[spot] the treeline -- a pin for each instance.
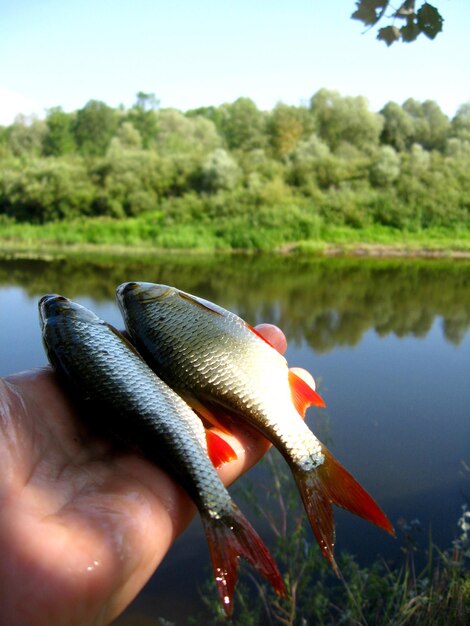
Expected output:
(332, 161)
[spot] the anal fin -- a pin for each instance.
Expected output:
(218, 449)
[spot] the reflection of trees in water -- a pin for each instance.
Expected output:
(324, 302)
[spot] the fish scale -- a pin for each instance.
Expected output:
(214, 358)
(101, 366)
(219, 344)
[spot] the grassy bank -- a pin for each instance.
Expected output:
(151, 233)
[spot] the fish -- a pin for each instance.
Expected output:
(213, 358)
(97, 362)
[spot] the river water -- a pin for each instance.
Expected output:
(387, 341)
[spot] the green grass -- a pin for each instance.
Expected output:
(380, 594)
(268, 233)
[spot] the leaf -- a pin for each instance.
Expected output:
(389, 34)
(369, 11)
(410, 32)
(406, 9)
(429, 20)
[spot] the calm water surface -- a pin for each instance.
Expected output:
(388, 343)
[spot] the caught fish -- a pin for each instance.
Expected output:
(99, 363)
(216, 360)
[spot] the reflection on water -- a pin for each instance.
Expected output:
(326, 303)
(388, 342)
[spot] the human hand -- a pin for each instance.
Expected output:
(83, 525)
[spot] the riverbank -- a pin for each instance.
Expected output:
(142, 237)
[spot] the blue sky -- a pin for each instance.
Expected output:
(195, 53)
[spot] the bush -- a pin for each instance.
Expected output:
(42, 190)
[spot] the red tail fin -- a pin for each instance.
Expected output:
(330, 484)
(230, 537)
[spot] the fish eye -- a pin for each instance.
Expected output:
(126, 287)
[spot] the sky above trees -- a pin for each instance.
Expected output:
(192, 54)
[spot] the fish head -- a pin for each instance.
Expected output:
(137, 295)
(140, 294)
(53, 306)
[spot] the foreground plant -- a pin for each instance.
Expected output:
(378, 595)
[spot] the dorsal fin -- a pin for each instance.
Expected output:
(204, 304)
(303, 395)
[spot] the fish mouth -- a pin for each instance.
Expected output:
(50, 304)
(53, 305)
(146, 292)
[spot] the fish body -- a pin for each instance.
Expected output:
(99, 363)
(213, 357)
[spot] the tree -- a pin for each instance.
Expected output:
(128, 180)
(182, 134)
(386, 168)
(42, 190)
(426, 20)
(127, 137)
(398, 126)
(243, 125)
(220, 171)
(345, 119)
(94, 126)
(286, 126)
(143, 116)
(59, 139)
(461, 123)
(430, 125)
(26, 136)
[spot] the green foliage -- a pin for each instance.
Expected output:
(430, 126)
(286, 126)
(59, 138)
(386, 168)
(397, 131)
(93, 128)
(461, 123)
(243, 178)
(389, 595)
(25, 137)
(127, 182)
(242, 125)
(143, 118)
(42, 190)
(219, 171)
(345, 119)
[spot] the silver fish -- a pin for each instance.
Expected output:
(98, 362)
(215, 359)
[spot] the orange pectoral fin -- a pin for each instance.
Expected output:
(303, 395)
(218, 449)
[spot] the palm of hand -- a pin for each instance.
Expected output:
(83, 525)
(79, 520)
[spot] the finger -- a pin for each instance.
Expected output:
(274, 335)
(304, 375)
